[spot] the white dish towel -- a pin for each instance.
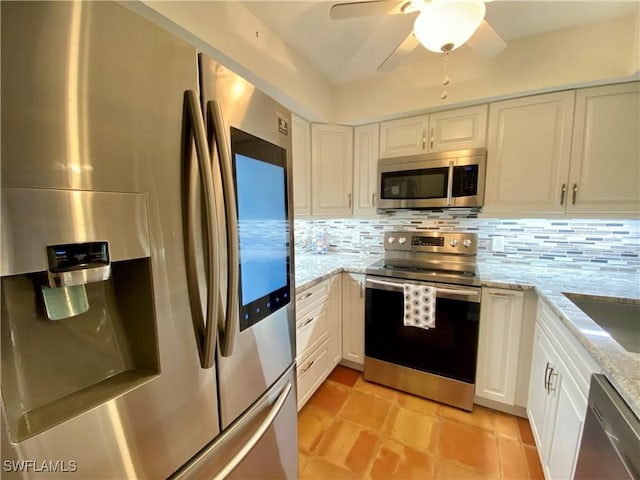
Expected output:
(419, 306)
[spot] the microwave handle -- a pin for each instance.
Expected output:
(450, 185)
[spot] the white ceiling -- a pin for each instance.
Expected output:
(352, 49)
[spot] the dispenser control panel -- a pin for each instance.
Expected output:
(77, 256)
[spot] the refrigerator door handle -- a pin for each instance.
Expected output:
(227, 339)
(192, 468)
(206, 330)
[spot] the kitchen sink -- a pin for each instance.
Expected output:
(620, 319)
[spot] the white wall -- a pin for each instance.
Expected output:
(226, 31)
(597, 53)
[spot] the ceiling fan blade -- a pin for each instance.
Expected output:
(341, 11)
(486, 41)
(398, 56)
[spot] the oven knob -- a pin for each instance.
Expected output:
(466, 243)
(391, 239)
(453, 242)
(402, 240)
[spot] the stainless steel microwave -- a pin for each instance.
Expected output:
(434, 180)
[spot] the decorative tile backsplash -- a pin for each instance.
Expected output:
(575, 243)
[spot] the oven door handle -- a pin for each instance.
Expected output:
(450, 291)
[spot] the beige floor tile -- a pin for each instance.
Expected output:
(376, 390)
(506, 425)
(526, 435)
(533, 462)
(480, 416)
(345, 376)
(473, 447)
(419, 404)
(365, 410)
(447, 470)
(513, 460)
(329, 397)
(312, 425)
(318, 468)
(398, 461)
(412, 428)
(347, 445)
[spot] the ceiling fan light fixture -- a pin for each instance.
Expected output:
(447, 24)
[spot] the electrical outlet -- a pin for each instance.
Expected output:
(497, 244)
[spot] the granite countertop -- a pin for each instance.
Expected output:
(621, 367)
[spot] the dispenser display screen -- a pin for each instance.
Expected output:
(77, 256)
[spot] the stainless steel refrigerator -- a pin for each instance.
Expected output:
(146, 255)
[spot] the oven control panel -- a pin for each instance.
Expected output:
(464, 243)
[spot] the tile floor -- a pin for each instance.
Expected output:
(354, 429)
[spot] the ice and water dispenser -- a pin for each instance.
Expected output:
(78, 321)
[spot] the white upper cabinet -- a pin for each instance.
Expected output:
(405, 136)
(301, 161)
(366, 153)
(451, 130)
(574, 152)
(458, 129)
(605, 157)
(331, 169)
(529, 149)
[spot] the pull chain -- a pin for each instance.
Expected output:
(445, 80)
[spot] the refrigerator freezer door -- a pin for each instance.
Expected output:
(92, 100)
(258, 445)
(262, 352)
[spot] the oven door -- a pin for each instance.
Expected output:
(448, 350)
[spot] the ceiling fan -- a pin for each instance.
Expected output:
(440, 25)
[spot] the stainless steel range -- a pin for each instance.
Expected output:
(438, 363)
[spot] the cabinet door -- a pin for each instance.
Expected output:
(605, 170)
(331, 169)
(568, 413)
(406, 136)
(301, 164)
(458, 129)
(498, 344)
(528, 155)
(366, 153)
(334, 311)
(543, 359)
(353, 318)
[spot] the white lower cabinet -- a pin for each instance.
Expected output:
(499, 344)
(558, 390)
(353, 319)
(318, 334)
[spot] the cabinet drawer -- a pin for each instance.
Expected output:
(311, 297)
(312, 372)
(311, 330)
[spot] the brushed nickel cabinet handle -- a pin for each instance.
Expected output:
(431, 139)
(424, 139)
(546, 377)
(575, 193)
(304, 370)
(498, 294)
(306, 322)
(306, 295)
(361, 289)
(349, 199)
(373, 199)
(552, 385)
(563, 193)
